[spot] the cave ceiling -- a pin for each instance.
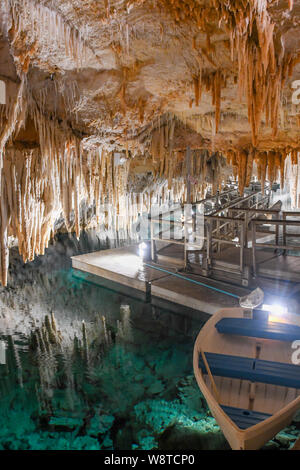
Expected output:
(111, 68)
(103, 97)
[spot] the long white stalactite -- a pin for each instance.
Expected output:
(51, 178)
(41, 21)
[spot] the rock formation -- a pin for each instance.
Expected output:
(96, 97)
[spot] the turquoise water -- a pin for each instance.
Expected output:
(121, 390)
(122, 381)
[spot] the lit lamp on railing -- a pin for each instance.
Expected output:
(276, 311)
(145, 250)
(268, 312)
(251, 302)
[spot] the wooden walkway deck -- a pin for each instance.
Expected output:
(120, 268)
(123, 270)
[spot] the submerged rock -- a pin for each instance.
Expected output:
(181, 437)
(271, 445)
(64, 424)
(296, 420)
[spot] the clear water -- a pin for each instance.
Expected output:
(129, 386)
(131, 382)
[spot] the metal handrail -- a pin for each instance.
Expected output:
(242, 199)
(276, 245)
(232, 225)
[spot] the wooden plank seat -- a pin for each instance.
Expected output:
(258, 329)
(244, 419)
(254, 370)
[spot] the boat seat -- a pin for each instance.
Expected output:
(244, 419)
(258, 329)
(254, 370)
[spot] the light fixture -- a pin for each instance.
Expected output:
(275, 309)
(142, 248)
(145, 251)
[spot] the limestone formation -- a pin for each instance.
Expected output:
(103, 98)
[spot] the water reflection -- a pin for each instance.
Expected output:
(72, 380)
(88, 368)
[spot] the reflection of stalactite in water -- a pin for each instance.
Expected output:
(17, 361)
(106, 332)
(45, 343)
(62, 376)
(124, 330)
(85, 342)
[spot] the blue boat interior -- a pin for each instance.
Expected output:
(258, 329)
(254, 370)
(244, 419)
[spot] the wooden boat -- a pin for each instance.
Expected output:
(243, 366)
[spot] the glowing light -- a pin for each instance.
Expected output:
(236, 240)
(276, 309)
(142, 249)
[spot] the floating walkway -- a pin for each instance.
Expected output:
(120, 269)
(123, 270)
(167, 286)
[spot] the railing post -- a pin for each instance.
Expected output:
(153, 245)
(171, 224)
(242, 243)
(160, 228)
(246, 222)
(194, 221)
(254, 248)
(186, 239)
(218, 236)
(277, 232)
(188, 175)
(284, 231)
(208, 243)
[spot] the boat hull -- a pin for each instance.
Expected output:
(281, 402)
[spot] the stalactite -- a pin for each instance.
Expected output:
(213, 82)
(217, 97)
(196, 90)
(40, 18)
(242, 159)
(16, 115)
(292, 180)
(271, 166)
(257, 59)
(38, 185)
(249, 168)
